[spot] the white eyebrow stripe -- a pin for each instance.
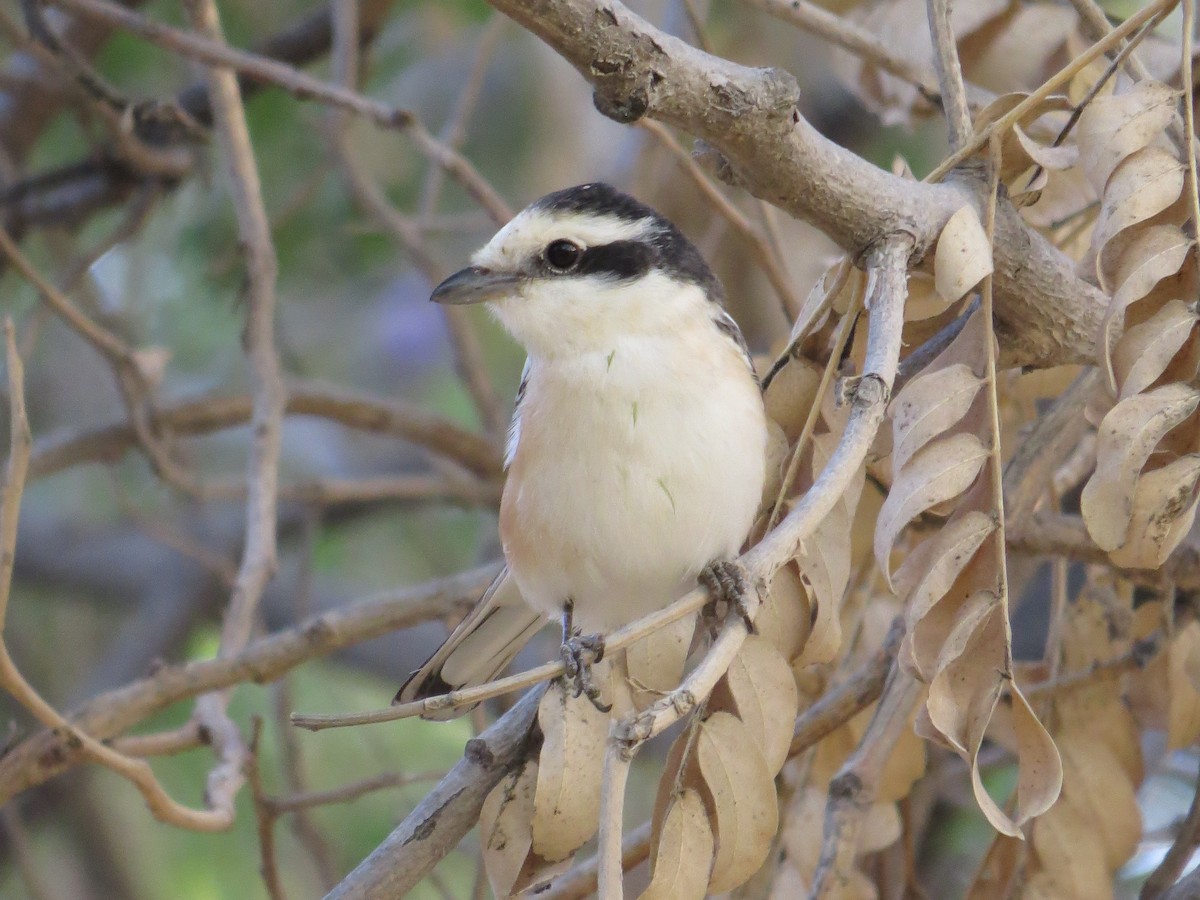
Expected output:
(533, 228)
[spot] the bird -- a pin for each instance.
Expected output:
(636, 454)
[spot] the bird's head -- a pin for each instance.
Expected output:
(582, 267)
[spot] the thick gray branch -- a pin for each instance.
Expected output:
(447, 813)
(1047, 315)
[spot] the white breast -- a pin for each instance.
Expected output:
(632, 470)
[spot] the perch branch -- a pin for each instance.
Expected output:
(447, 813)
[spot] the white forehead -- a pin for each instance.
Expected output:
(528, 233)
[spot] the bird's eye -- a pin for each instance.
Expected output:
(562, 255)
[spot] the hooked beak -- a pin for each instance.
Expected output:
(475, 284)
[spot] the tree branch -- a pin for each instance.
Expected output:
(1047, 315)
(47, 753)
(448, 812)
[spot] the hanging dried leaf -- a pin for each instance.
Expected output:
(938, 472)
(1142, 186)
(760, 690)
(927, 575)
(505, 828)
(655, 663)
(1128, 435)
(1183, 711)
(1164, 508)
(740, 797)
(785, 618)
(1147, 349)
(968, 673)
(1095, 782)
(964, 255)
(1153, 254)
(930, 405)
(791, 394)
(1112, 128)
(1039, 769)
(1071, 853)
(570, 764)
(683, 853)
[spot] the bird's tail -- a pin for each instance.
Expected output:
(478, 649)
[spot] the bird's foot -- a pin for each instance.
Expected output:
(726, 583)
(579, 653)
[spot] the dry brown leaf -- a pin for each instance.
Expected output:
(968, 668)
(655, 663)
(1039, 765)
(1183, 711)
(1164, 508)
(1146, 349)
(570, 765)
(881, 827)
(683, 853)
(1071, 852)
(905, 25)
(778, 451)
(1128, 435)
(791, 394)
(760, 690)
(964, 255)
(1096, 783)
(815, 310)
(923, 300)
(926, 576)
(1153, 254)
(1055, 159)
(1019, 51)
(930, 405)
(505, 827)
(740, 797)
(785, 617)
(1143, 185)
(1112, 128)
(940, 471)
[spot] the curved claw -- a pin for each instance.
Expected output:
(726, 581)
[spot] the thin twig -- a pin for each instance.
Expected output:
(50, 752)
(852, 790)
(618, 760)
(1094, 25)
(264, 818)
(1136, 657)
(270, 397)
(220, 814)
(1189, 112)
(755, 241)
(302, 85)
(844, 701)
(1065, 74)
(949, 73)
(582, 880)
(351, 791)
(455, 130)
(1187, 838)
(852, 38)
(362, 412)
(468, 351)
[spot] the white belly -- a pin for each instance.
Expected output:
(629, 476)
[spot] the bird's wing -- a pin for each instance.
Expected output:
(514, 425)
(479, 648)
(727, 326)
